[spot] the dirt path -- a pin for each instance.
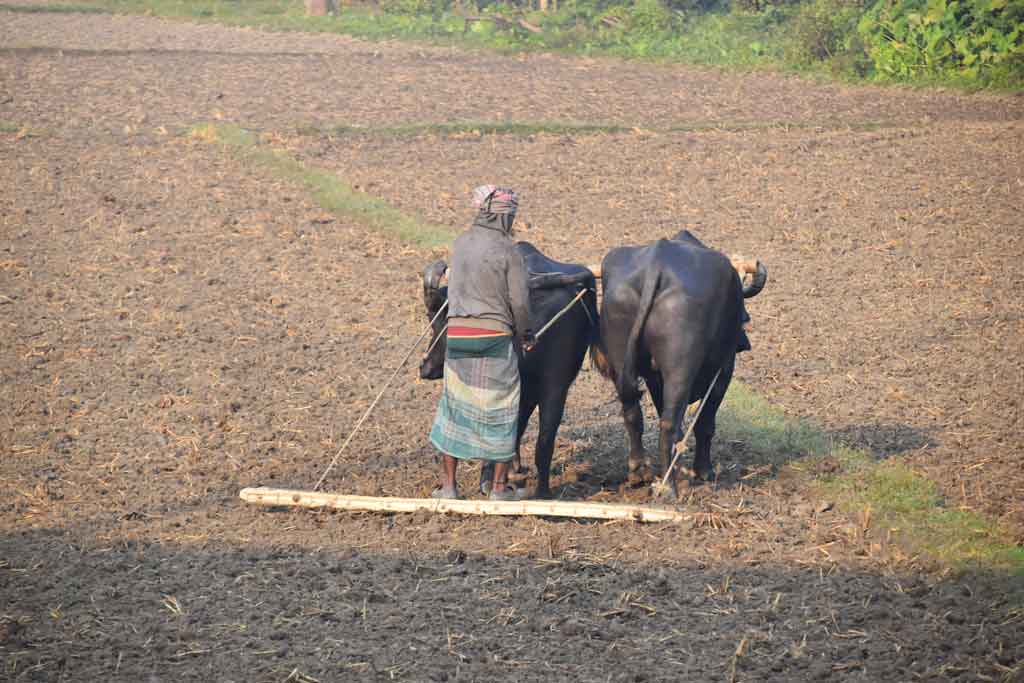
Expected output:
(176, 324)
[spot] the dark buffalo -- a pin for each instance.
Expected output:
(673, 313)
(549, 369)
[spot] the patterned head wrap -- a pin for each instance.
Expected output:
(494, 199)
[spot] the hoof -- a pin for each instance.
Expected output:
(702, 475)
(635, 479)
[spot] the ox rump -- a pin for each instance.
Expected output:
(672, 313)
(550, 368)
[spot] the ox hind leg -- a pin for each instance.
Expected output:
(639, 471)
(633, 417)
(704, 431)
(640, 466)
(675, 390)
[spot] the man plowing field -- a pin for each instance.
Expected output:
(488, 311)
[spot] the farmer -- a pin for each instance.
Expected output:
(488, 321)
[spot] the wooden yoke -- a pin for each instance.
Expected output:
(743, 266)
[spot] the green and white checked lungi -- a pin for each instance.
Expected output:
(478, 413)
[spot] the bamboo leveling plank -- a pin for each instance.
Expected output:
(545, 508)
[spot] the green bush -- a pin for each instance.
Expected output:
(975, 40)
(826, 31)
(949, 42)
(697, 6)
(640, 20)
(757, 6)
(652, 17)
(819, 28)
(432, 8)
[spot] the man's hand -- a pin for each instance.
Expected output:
(528, 342)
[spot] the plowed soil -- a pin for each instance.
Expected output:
(177, 323)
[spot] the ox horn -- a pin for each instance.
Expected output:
(596, 270)
(754, 268)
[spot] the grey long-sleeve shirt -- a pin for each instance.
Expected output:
(488, 278)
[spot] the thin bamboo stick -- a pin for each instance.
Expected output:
(544, 508)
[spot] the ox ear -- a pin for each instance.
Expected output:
(433, 275)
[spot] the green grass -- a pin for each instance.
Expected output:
(23, 131)
(763, 428)
(329, 191)
(911, 507)
(900, 500)
(471, 128)
(528, 128)
(54, 9)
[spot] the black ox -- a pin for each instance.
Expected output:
(549, 369)
(673, 313)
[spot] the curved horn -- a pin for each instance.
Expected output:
(596, 270)
(434, 275)
(757, 282)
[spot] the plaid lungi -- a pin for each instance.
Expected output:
(478, 413)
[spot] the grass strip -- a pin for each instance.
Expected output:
(886, 494)
(459, 128)
(527, 128)
(329, 191)
(22, 131)
(897, 499)
(54, 9)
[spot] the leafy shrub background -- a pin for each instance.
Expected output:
(974, 43)
(965, 43)
(825, 31)
(959, 39)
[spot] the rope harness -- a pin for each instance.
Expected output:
(359, 424)
(564, 311)
(408, 355)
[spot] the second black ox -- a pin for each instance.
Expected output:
(673, 313)
(547, 371)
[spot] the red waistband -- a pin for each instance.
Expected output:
(465, 331)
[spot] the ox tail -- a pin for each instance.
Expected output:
(589, 303)
(627, 380)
